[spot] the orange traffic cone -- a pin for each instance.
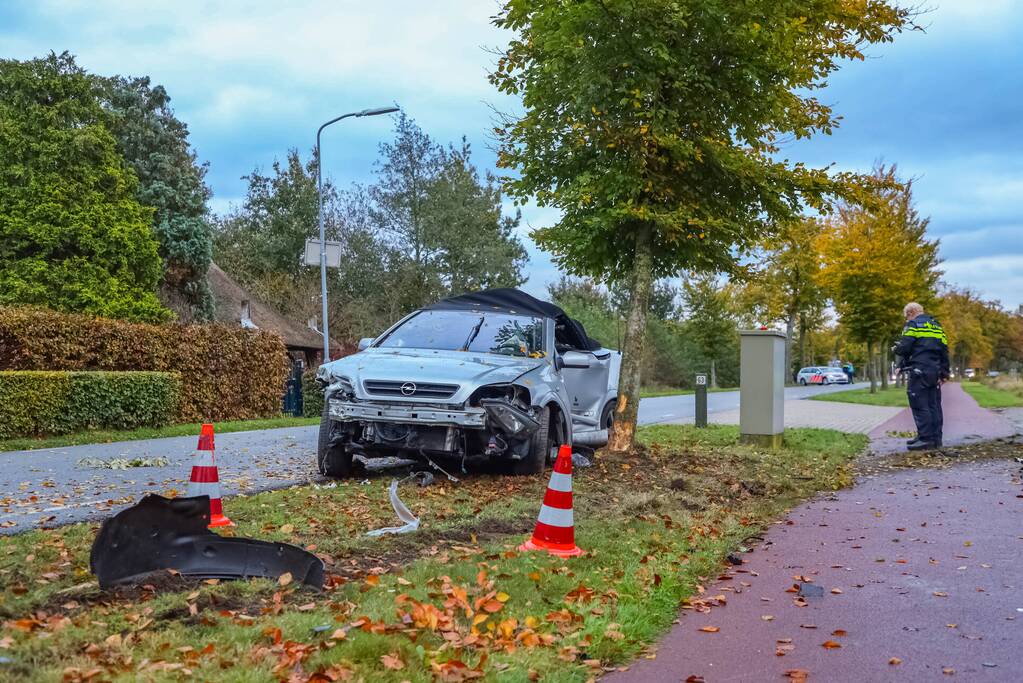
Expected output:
(205, 479)
(555, 527)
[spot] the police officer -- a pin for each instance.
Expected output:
(922, 353)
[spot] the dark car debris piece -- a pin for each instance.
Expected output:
(161, 533)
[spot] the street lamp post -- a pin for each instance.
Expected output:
(323, 236)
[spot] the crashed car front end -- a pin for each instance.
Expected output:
(494, 421)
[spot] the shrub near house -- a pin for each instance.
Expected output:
(226, 373)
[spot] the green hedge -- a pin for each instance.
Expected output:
(227, 373)
(41, 402)
(312, 395)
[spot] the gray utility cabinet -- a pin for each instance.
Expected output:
(762, 387)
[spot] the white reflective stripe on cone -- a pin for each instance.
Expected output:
(556, 516)
(204, 489)
(560, 482)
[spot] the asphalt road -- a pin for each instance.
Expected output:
(51, 486)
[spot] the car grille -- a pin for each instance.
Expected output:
(381, 387)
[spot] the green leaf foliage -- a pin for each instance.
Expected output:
(154, 142)
(665, 116)
(38, 403)
(73, 237)
(227, 373)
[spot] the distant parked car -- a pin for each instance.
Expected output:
(821, 375)
(969, 372)
(993, 373)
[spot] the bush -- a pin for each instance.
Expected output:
(227, 373)
(36, 403)
(312, 395)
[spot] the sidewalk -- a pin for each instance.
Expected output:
(844, 417)
(913, 575)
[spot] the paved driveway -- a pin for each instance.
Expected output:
(48, 486)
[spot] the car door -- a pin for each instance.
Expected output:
(587, 389)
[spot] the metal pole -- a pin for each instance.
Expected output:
(701, 400)
(323, 236)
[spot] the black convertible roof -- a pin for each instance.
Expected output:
(508, 300)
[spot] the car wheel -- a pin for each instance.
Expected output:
(332, 461)
(540, 446)
(607, 416)
(825, 381)
(802, 381)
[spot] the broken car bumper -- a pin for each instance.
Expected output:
(345, 411)
(160, 533)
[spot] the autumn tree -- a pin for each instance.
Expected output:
(73, 236)
(785, 285)
(652, 126)
(877, 258)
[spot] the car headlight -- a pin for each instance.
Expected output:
(508, 418)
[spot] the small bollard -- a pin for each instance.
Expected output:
(701, 400)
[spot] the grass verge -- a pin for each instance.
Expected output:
(1002, 395)
(110, 436)
(451, 602)
(893, 396)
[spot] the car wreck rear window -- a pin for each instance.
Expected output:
(480, 331)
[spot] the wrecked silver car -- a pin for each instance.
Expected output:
(495, 375)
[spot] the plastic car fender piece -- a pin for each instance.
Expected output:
(162, 533)
(411, 522)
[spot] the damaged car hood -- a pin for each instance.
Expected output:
(374, 372)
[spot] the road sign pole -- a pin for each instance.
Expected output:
(701, 400)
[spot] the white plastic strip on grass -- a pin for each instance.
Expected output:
(411, 522)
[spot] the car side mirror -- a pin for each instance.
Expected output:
(365, 342)
(576, 359)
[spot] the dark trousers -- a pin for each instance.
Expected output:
(924, 392)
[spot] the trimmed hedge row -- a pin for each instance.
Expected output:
(40, 402)
(312, 395)
(227, 373)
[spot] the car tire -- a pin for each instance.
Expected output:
(540, 446)
(802, 381)
(332, 461)
(825, 381)
(607, 415)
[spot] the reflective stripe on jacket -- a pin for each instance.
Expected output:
(923, 345)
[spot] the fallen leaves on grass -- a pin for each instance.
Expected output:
(392, 661)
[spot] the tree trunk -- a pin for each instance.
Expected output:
(623, 432)
(790, 325)
(802, 341)
(713, 374)
(871, 367)
(884, 365)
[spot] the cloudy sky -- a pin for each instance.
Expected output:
(253, 79)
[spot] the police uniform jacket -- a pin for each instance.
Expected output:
(923, 346)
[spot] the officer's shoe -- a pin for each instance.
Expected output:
(921, 445)
(913, 440)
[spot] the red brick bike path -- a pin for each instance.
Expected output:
(921, 565)
(965, 423)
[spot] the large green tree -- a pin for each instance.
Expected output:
(73, 236)
(652, 125)
(171, 181)
(442, 218)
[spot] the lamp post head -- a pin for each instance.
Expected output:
(378, 111)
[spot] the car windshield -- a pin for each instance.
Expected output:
(480, 331)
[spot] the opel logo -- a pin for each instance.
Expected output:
(408, 388)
